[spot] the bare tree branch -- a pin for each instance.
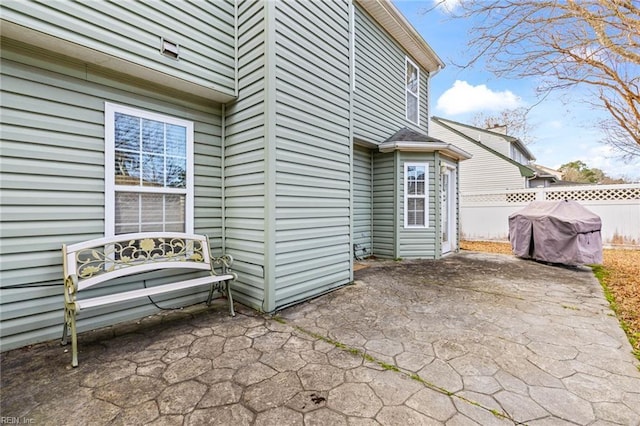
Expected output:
(593, 44)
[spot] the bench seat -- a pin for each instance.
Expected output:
(149, 291)
(102, 260)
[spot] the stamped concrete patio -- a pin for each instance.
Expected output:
(470, 339)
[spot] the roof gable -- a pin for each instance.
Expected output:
(525, 171)
(510, 139)
(392, 20)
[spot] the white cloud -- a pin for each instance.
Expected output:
(447, 5)
(556, 124)
(463, 98)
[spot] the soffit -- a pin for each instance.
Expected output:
(392, 20)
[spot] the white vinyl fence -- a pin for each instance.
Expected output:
(484, 215)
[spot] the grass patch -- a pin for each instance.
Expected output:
(633, 333)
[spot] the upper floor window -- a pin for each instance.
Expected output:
(149, 172)
(412, 90)
(518, 155)
(415, 195)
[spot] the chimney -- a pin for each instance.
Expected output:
(498, 128)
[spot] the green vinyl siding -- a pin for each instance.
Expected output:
(131, 31)
(390, 237)
(52, 186)
(379, 98)
(385, 208)
(313, 149)
(245, 142)
(418, 242)
(363, 198)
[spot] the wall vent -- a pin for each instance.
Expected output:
(169, 48)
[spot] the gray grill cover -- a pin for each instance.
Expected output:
(558, 232)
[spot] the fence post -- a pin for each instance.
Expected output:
(540, 194)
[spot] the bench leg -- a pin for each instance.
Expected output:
(70, 325)
(63, 341)
(230, 299)
(226, 291)
(211, 288)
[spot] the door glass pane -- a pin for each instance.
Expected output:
(445, 207)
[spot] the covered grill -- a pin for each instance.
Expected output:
(558, 232)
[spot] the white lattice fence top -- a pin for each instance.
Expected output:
(501, 197)
(595, 194)
(521, 197)
(485, 198)
(626, 192)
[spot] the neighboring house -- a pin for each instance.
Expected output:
(288, 132)
(544, 176)
(499, 161)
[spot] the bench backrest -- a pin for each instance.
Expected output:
(99, 260)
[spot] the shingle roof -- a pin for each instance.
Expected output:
(409, 135)
(407, 139)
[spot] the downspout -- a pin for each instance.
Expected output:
(352, 75)
(223, 215)
(437, 226)
(397, 227)
(372, 208)
(236, 49)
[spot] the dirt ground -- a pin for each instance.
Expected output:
(621, 276)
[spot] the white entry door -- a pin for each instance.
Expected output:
(448, 208)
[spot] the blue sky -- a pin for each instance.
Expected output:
(562, 126)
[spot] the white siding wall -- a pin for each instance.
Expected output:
(131, 31)
(53, 184)
(485, 171)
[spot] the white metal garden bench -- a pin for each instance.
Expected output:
(89, 263)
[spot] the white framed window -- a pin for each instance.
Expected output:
(412, 91)
(416, 191)
(148, 172)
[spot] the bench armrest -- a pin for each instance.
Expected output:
(70, 290)
(225, 262)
